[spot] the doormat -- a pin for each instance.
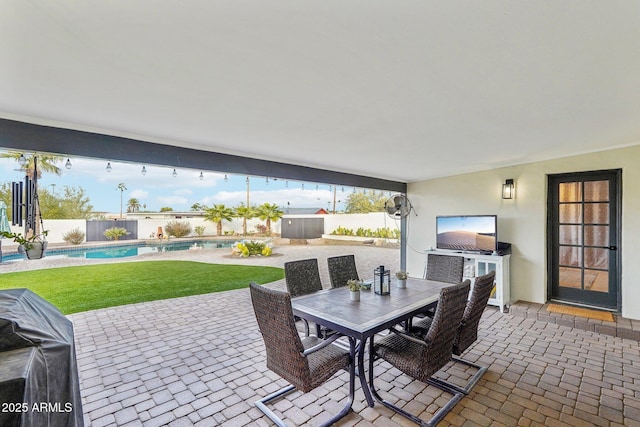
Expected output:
(579, 311)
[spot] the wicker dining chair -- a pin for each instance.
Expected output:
(444, 268)
(302, 277)
(342, 269)
(305, 363)
(467, 332)
(422, 358)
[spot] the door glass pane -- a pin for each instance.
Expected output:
(570, 192)
(596, 258)
(570, 235)
(595, 235)
(571, 277)
(596, 281)
(596, 213)
(571, 213)
(596, 191)
(570, 256)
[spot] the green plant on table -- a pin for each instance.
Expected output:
(354, 285)
(402, 275)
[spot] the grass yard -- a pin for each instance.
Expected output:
(75, 289)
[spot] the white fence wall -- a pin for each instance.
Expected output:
(58, 227)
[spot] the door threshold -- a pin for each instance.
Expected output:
(577, 304)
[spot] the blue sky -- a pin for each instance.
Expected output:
(158, 188)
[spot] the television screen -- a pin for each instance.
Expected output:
(474, 233)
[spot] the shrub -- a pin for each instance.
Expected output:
(74, 237)
(114, 233)
(261, 229)
(178, 228)
(199, 229)
(250, 247)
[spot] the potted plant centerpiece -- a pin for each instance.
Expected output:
(401, 279)
(354, 290)
(31, 245)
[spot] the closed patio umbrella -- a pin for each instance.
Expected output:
(4, 223)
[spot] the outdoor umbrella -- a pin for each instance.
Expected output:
(4, 223)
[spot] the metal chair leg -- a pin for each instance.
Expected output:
(262, 403)
(436, 418)
(471, 383)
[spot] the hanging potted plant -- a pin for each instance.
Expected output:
(32, 246)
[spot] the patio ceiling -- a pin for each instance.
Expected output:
(401, 91)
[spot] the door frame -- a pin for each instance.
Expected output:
(615, 223)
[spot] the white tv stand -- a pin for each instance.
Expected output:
(476, 264)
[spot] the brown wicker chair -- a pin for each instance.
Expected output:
(305, 363)
(422, 358)
(302, 277)
(444, 268)
(467, 332)
(342, 269)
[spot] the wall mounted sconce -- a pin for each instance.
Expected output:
(508, 189)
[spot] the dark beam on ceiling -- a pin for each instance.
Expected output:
(22, 136)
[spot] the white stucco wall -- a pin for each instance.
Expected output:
(523, 220)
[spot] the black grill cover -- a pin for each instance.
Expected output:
(39, 383)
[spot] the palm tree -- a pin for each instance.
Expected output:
(245, 212)
(269, 212)
(122, 189)
(46, 163)
(133, 205)
(217, 214)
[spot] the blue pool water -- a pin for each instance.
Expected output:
(125, 250)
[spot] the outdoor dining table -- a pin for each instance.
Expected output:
(374, 313)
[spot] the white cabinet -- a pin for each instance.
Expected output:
(478, 265)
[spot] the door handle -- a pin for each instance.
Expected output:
(613, 248)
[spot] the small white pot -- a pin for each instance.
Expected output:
(354, 295)
(402, 283)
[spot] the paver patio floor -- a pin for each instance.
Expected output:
(200, 361)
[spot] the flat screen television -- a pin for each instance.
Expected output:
(467, 233)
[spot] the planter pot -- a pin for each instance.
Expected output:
(36, 251)
(402, 283)
(354, 295)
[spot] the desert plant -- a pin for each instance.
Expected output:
(252, 247)
(114, 233)
(261, 229)
(74, 237)
(178, 228)
(199, 229)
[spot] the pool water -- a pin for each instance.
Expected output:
(122, 251)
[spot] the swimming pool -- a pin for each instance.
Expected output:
(126, 250)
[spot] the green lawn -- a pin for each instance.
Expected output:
(75, 289)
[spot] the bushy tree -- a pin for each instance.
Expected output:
(368, 201)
